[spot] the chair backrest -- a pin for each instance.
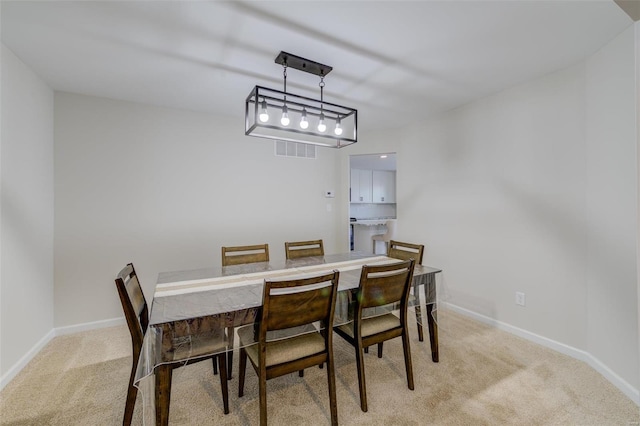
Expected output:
(406, 251)
(292, 303)
(383, 285)
(134, 304)
(297, 249)
(245, 254)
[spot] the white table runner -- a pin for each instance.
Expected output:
(194, 286)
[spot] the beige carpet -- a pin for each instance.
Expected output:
(485, 377)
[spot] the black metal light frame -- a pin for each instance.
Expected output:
(275, 100)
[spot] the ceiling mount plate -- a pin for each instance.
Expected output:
(302, 64)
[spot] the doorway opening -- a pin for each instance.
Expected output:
(372, 201)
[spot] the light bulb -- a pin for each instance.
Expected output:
(264, 115)
(321, 126)
(338, 129)
(303, 121)
(285, 116)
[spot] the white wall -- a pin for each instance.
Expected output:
(612, 207)
(534, 190)
(26, 230)
(501, 204)
(165, 189)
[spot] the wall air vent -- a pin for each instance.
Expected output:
(295, 149)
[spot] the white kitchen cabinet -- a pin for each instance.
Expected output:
(383, 186)
(361, 186)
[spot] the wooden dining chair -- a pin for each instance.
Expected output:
(298, 249)
(287, 304)
(239, 255)
(379, 286)
(406, 251)
(136, 313)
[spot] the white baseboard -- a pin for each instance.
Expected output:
(26, 358)
(579, 354)
(60, 331)
(70, 329)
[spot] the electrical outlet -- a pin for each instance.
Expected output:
(520, 298)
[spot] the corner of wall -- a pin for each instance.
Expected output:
(26, 211)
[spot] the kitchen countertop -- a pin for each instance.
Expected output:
(370, 222)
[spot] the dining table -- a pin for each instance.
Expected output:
(188, 304)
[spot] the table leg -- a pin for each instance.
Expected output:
(433, 333)
(419, 322)
(230, 340)
(416, 293)
(163, 394)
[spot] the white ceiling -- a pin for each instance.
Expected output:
(395, 61)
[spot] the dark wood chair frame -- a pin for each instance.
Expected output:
(310, 248)
(379, 286)
(136, 313)
(258, 253)
(406, 251)
(294, 309)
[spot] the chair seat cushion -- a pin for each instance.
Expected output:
(285, 350)
(373, 325)
(199, 345)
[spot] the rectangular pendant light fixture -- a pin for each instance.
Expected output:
(281, 115)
